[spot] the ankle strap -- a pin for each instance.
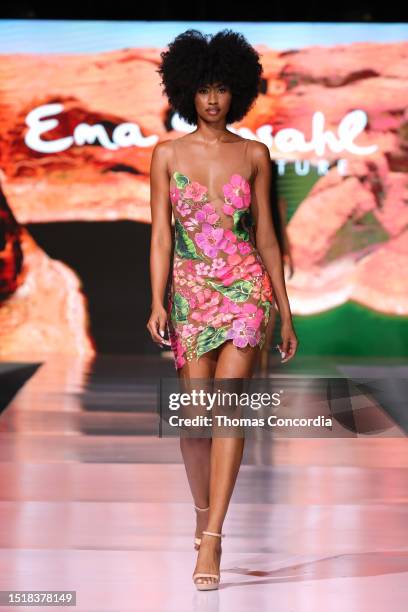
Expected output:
(201, 509)
(219, 535)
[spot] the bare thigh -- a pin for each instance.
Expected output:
(234, 362)
(197, 375)
(204, 367)
(235, 367)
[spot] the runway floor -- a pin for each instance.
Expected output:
(93, 501)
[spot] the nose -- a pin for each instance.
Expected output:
(212, 96)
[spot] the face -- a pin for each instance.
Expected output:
(212, 102)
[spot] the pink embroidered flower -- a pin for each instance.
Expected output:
(239, 268)
(237, 193)
(202, 269)
(242, 334)
(244, 247)
(189, 330)
(207, 213)
(253, 315)
(195, 283)
(210, 239)
(178, 273)
(228, 306)
(174, 194)
(192, 298)
(207, 298)
(178, 349)
(183, 208)
(221, 318)
(197, 286)
(192, 224)
(228, 245)
(207, 305)
(217, 264)
(263, 290)
(194, 191)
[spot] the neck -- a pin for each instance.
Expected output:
(211, 133)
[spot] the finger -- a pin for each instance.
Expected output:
(153, 327)
(286, 355)
(161, 326)
(283, 355)
(156, 338)
(279, 347)
(286, 349)
(291, 350)
(163, 339)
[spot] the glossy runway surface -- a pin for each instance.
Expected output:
(92, 500)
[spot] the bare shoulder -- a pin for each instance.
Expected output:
(163, 148)
(162, 154)
(259, 152)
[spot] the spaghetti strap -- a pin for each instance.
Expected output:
(244, 160)
(175, 154)
(245, 150)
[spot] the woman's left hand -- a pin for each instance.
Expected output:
(289, 344)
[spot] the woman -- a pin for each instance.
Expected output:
(217, 186)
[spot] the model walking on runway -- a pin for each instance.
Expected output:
(227, 268)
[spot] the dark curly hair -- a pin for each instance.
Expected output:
(192, 61)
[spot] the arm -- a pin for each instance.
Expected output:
(267, 243)
(287, 253)
(161, 239)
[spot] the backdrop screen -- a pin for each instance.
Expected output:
(81, 109)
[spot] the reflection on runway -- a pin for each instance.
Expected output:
(92, 500)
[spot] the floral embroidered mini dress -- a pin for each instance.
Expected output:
(220, 289)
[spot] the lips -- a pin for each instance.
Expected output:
(213, 111)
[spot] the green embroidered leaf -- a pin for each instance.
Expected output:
(180, 308)
(181, 180)
(237, 292)
(210, 338)
(243, 220)
(267, 307)
(184, 246)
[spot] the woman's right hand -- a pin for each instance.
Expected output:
(158, 323)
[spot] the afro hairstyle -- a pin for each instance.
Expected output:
(194, 59)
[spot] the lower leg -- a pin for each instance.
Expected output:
(196, 456)
(226, 457)
(196, 451)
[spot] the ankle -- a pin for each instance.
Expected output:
(214, 529)
(210, 540)
(200, 509)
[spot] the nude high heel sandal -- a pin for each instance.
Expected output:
(197, 541)
(209, 586)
